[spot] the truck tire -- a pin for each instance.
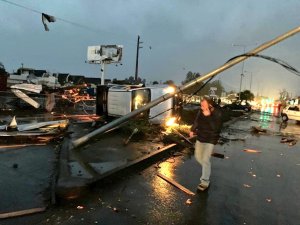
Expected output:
(284, 117)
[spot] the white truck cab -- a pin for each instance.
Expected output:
(291, 112)
(119, 100)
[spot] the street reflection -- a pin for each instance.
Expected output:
(290, 128)
(164, 194)
(162, 189)
(265, 119)
(272, 110)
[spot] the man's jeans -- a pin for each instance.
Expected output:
(203, 153)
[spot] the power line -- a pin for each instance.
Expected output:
(278, 61)
(129, 41)
(21, 6)
(58, 18)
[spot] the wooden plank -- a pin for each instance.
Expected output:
(20, 145)
(21, 212)
(252, 150)
(174, 183)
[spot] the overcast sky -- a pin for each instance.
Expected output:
(184, 35)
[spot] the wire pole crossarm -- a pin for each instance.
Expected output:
(155, 102)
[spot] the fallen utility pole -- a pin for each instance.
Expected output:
(198, 81)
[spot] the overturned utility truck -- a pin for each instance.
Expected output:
(119, 100)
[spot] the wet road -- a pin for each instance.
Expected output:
(246, 188)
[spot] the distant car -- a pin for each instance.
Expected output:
(238, 106)
(290, 112)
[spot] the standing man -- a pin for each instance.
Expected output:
(207, 126)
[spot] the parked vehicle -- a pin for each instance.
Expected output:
(238, 106)
(291, 112)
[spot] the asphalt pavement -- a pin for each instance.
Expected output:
(247, 187)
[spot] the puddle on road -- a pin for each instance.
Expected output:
(272, 125)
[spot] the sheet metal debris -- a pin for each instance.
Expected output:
(22, 135)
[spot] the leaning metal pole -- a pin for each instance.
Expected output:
(155, 102)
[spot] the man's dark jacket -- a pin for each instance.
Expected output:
(208, 128)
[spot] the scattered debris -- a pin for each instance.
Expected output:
(188, 202)
(292, 143)
(32, 133)
(129, 138)
(289, 140)
(181, 135)
(286, 140)
(115, 209)
(176, 184)
(15, 165)
(256, 129)
(252, 151)
(26, 98)
(218, 155)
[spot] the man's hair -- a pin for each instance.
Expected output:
(209, 100)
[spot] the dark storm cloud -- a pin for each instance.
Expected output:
(183, 35)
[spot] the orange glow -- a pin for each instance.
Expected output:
(171, 122)
(138, 101)
(169, 89)
(166, 169)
